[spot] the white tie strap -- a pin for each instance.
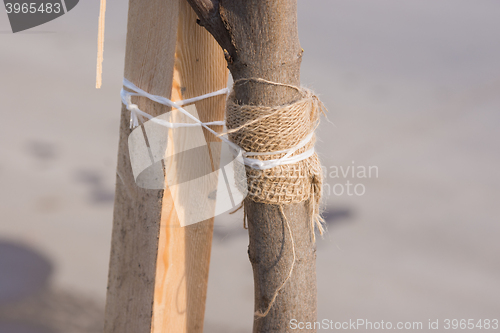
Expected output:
(135, 113)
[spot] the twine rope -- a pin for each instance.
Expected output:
(272, 133)
(137, 115)
(260, 314)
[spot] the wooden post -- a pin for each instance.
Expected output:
(158, 272)
(184, 253)
(149, 63)
(260, 39)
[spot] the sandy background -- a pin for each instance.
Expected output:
(412, 88)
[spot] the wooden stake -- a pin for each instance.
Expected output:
(159, 270)
(100, 44)
(184, 253)
(149, 63)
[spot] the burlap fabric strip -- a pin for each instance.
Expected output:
(271, 131)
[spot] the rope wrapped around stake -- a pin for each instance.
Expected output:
(271, 133)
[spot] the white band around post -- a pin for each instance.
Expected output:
(135, 113)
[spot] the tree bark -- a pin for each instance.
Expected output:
(260, 40)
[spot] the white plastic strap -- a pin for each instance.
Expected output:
(287, 159)
(135, 113)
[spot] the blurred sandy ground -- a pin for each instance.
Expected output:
(412, 88)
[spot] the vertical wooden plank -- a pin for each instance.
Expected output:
(149, 61)
(184, 253)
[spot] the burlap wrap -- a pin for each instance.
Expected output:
(267, 129)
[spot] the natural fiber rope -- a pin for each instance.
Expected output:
(281, 138)
(272, 131)
(259, 313)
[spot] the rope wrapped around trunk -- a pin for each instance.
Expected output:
(271, 132)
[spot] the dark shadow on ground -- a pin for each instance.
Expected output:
(28, 304)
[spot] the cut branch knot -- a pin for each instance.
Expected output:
(209, 17)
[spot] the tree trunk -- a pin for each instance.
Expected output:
(260, 40)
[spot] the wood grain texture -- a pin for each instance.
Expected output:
(149, 62)
(184, 253)
(100, 44)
